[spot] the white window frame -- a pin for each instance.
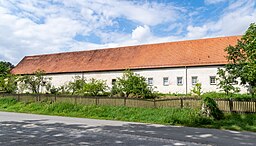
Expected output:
(211, 83)
(194, 80)
(166, 82)
(179, 84)
(150, 81)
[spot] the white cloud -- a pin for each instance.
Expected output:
(144, 13)
(22, 34)
(213, 1)
(196, 32)
(37, 27)
(141, 33)
(235, 20)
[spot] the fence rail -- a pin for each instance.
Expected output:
(226, 105)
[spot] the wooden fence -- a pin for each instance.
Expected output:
(226, 105)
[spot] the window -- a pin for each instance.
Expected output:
(212, 80)
(150, 81)
(194, 80)
(113, 81)
(179, 81)
(165, 81)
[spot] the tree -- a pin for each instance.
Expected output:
(5, 68)
(131, 84)
(242, 58)
(8, 83)
(94, 87)
(34, 82)
(77, 85)
(226, 82)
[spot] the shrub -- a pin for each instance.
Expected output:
(64, 89)
(197, 89)
(34, 82)
(224, 95)
(134, 85)
(8, 83)
(94, 87)
(210, 109)
(82, 86)
(76, 86)
(54, 90)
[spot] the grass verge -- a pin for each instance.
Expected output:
(167, 116)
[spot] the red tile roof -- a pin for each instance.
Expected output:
(172, 54)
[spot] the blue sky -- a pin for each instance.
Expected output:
(30, 27)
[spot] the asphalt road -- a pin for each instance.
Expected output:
(29, 129)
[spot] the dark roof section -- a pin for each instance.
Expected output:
(200, 52)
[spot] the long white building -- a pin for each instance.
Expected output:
(172, 67)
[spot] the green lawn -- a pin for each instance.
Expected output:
(168, 116)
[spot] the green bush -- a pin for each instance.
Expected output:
(223, 95)
(34, 82)
(210, 109)
(197, 89)
(75, 86)
(133, 85)
(94, 87)
(8, 83)
(81, 86)
(54, 90)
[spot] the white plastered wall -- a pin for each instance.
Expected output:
(203, 73)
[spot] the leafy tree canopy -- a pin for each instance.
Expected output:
(5, 68)
(34, 82)
(242, 58)
(77, 85)
(8, 83)
(131, 84)
(94, 87)
(226, 82)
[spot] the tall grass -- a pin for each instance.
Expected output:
(169, 116)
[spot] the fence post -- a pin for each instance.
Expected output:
(154, 103)
(96, 100)
(230, 104)
(254, 106)
(181, 102)
(18, 97)
(124, 101)
(75, 99)
(39, 98)
(55, 97)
